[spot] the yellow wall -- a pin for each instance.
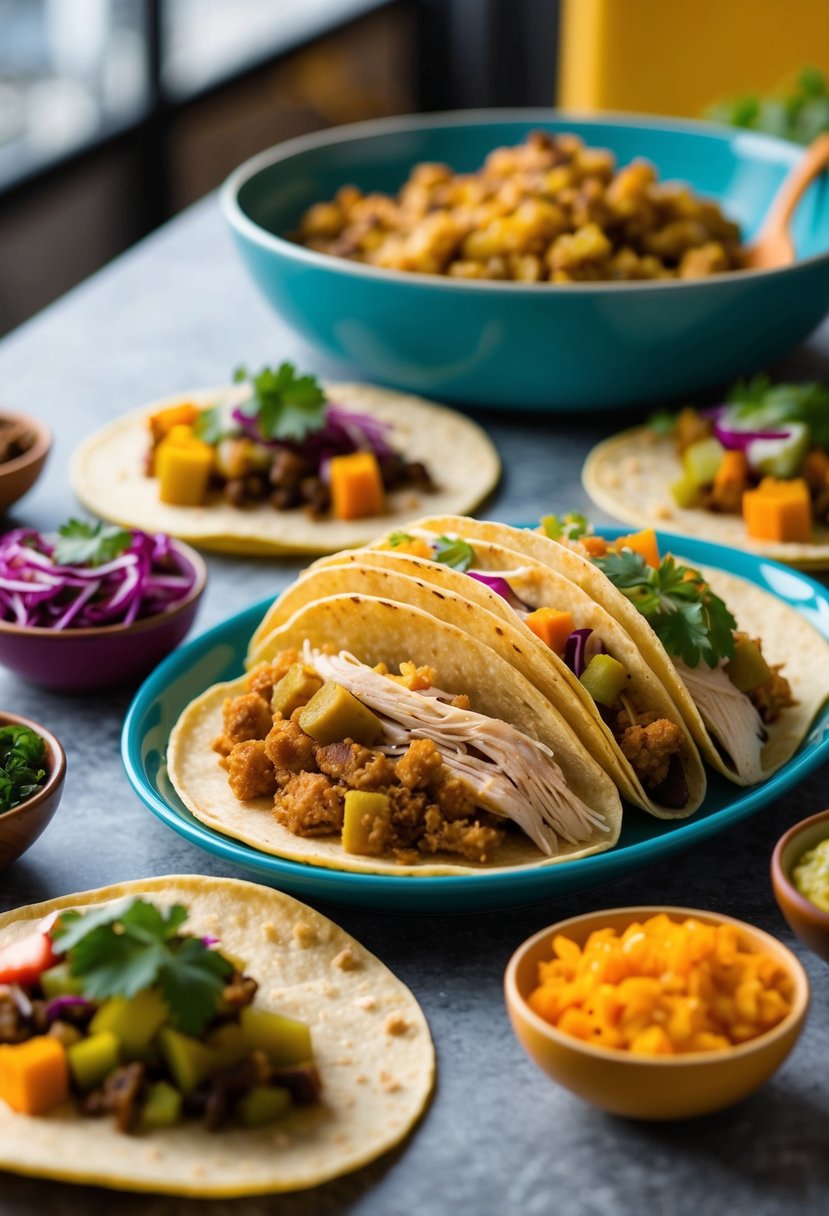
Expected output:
(678, 56)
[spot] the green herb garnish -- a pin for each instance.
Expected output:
(763, 403)
(454, 552)
(211, 426)
(688, 618)
(800, 115)
(571, 526)
(81, 543)
(22, 757)
(662, 422)
(399, 538)
(123, 948)
(285, 405)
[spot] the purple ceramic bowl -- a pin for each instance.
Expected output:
(91, 660)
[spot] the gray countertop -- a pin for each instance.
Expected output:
(178, 312)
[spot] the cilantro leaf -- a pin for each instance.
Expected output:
(662, 422)
(692, 623)
(285, 405)
(126, 947)
(765, 404)
(22, 760)
(454, 552)
(399, 538)
(211, 425)
(81, 543)
(571, 526)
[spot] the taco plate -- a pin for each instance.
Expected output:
(231, 1103)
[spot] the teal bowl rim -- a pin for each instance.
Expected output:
(508, 887)
(247, 228)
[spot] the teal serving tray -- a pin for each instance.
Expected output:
(219, 655)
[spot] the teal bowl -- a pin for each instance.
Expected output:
(533, 346)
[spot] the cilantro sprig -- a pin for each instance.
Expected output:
(400, 538)
(22, 759)
(284, 405)
(454, 552)
(800, 114)
(81, 543)
(692, 622)
(763, 403)
(123, 948)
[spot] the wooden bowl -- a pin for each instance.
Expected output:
(807, 920)
(650, 1087)
(21, 826)
(19, 475)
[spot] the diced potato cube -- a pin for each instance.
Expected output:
(334, 714)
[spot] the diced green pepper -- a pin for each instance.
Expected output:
(362, 810)
(605, 679)
(58, 981)
(135, 1022)
(747, 669)
(188, 1060)
(283, 1040)
(264, 1104)
(162, 1107)
(702, 459)
(296, 688)
(334, 714)
(93, 1059)
(685, 492)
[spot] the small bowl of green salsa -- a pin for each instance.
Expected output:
(800, 878)
(32, 773)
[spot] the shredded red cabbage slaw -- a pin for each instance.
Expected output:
(345, 431)
(148, 578)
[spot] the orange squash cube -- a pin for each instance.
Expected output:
(643, 543)
(163, 421)
(356, 486)
(34, 1076)
(779, 510)
(552, 626)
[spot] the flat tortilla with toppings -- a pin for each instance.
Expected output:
(280, 465)
(325, 754)
(227, 1039)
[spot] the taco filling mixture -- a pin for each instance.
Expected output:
(393, 765)
(286, 445)
(737, 693)
(122, 1013)
(650, 742)
(764, 454)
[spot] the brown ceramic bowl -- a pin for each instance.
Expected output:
(810, 923)
(21, 826)
(650, 1087)
(19, 475)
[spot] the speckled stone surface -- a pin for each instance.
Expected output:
(178, 312)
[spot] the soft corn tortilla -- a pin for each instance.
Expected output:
(787, 637)
(630, 476)
(378, 630)
(376, 1080)
(108, 476)
(448, 595)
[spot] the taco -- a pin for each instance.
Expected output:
(323, 753)
(227, 1040)
(632, 729)
(752, 472)
(279, 465)
(746, 672)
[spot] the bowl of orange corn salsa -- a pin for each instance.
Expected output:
(656, 1013)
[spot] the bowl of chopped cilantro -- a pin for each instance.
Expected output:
(93, 606)
(32, 772)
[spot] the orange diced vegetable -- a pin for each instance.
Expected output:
(183, 466)
(643, 543)
(162, 422)
(356, 486)
(34, 1076)
(778, 510)
(733, 470)
(662, 987)
(552, 626)
(412, 546)
(596, 546)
